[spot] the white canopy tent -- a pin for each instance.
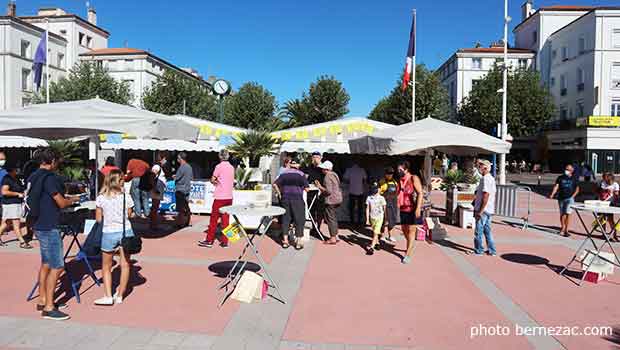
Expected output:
(429, 134)
(208, 139)
(328, 137)
(62, 120)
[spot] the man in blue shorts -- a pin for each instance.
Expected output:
(567, 189)
(46, 198)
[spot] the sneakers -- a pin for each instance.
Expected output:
(391, 239)
(117, 298)
(224, 245)
(56, 306)
(55, 315)
(105, 301)
(406, 260)
(370, 251)
(205, 244)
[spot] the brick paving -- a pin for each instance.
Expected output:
(337, 297)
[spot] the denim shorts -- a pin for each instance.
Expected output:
(50, 243)
(565, 205)
(110, 241)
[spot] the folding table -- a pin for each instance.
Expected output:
(71, 229)
(252, 241)
(597, 212)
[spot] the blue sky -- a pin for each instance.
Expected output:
(286, 44)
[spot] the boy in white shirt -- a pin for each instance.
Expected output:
(375, 214)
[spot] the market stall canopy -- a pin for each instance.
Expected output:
(328, 137)
(210, 130)
(213, 137)
(429, 133)
(165, 145)
(62, 120)
(21, 142)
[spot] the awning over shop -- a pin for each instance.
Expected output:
(309, 147)
(164, 145)
(328, 137)
(210, 130)
(21, 142)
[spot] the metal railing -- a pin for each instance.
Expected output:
(507, 202)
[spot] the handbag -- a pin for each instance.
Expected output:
(133, 244)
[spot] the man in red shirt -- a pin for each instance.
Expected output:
(109, 166)
(136, 168)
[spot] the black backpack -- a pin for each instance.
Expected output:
(34, 190)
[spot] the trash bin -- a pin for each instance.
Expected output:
(466, 215)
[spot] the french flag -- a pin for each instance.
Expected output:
(410, 55)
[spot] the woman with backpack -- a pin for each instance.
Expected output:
(410, 200)
(113, 211)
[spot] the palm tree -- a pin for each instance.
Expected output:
(254, 145)
(70, 153)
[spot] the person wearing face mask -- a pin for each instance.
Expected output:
(12, 204)
(410, 198)
(567, 189)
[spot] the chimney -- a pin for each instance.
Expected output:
(11, 9)
(92, 15)
(527, 9)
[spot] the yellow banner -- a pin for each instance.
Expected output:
(599, 120)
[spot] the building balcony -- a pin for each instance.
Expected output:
(581, 87)
(563, 92)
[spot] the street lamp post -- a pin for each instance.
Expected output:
(504, 131)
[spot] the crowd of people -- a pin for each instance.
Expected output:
(397, 198)
(381, 204)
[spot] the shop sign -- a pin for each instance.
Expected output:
(605, 121)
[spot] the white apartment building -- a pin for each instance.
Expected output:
(81, 35)
(138, 68)
(463, 70)
(18, 43)
(72, 39)
(578, 55)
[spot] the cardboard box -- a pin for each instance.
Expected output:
(594, 277)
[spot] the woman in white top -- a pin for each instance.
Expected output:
(157, 194)
(110, 204)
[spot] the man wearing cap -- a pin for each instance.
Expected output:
(314, 173)
(484, 208)
(330, 190)
(291, 186)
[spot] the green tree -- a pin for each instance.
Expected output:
(252, 107)
(530, 104)
(86, 80)
(326, 100)
(431, 100)
(172, 93)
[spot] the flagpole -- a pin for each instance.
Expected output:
(47, 60)
(413, 72)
